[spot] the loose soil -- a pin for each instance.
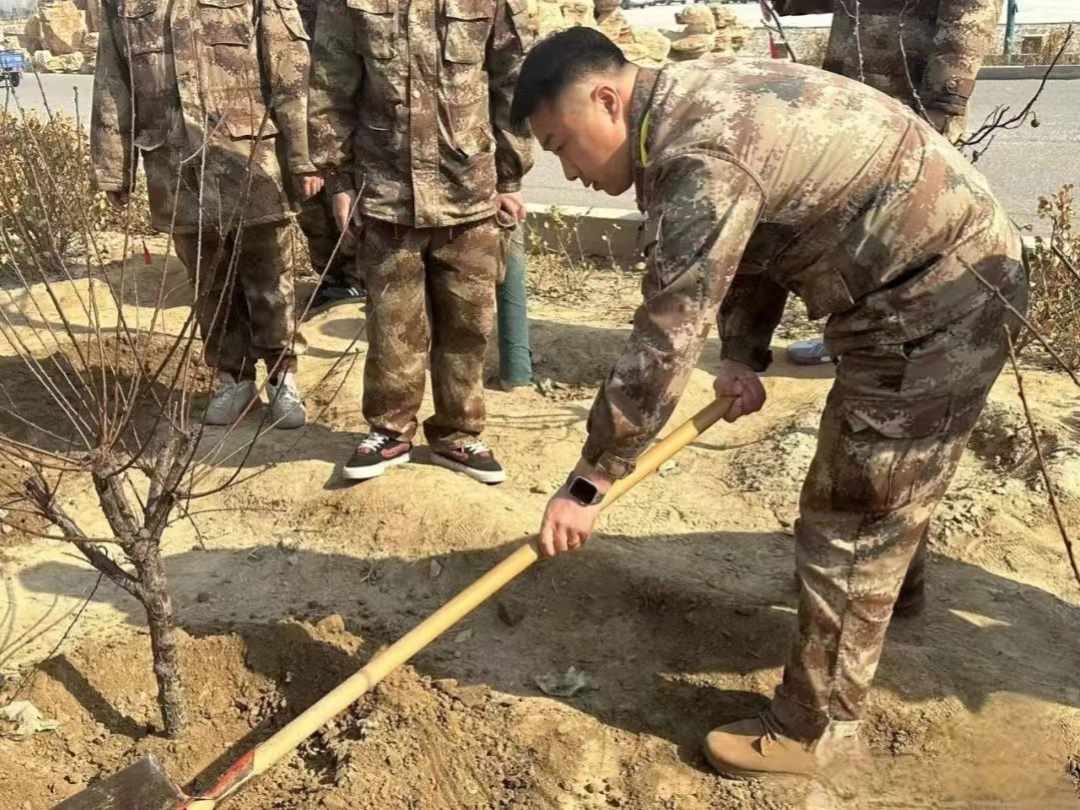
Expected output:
(680, 611)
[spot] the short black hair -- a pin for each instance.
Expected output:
(557, 61)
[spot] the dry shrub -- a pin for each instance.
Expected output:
(1055, 290)
(50, 214)
(558, 268)
(812, 47)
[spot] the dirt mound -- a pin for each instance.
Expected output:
(414, 742)
(680, 611)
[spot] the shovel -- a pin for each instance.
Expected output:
(145, 785)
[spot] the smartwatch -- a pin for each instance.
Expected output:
(584, 491)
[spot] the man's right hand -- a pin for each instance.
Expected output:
(117, 199)
(733, 379)
(343, 205)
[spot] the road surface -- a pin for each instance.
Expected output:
(1021, 164)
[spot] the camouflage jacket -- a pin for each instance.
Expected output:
(944, 40)
(410, 104)
(804, 182)
(175, 76)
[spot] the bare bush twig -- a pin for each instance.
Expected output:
(1042, 461)
(998, 120)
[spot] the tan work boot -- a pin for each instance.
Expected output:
(758, 747)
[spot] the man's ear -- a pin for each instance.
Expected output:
(610, 99)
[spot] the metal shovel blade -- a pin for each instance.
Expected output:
(143, 785)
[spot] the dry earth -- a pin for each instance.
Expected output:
(681, 611)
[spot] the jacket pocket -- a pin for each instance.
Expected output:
(248, 124)
(376, 27)
(468, 23)
(290, 16)
(227, 22)
(143, 28)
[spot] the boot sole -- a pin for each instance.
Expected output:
(483, 476)
(728, 772)
(373, 470)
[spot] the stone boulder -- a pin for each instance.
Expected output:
(650, 48)
(731, 35)
(90, 43)
(549, 17)
(697, 19)
(692, 46)
(579, 12)
(616, 27)
(58, 27)
(46, 62)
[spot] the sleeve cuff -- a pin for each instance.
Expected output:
(607, 462)
(303, 168)
(950, 95)
(338, 181)
(112, 185)
(508, 186)
(748, 352)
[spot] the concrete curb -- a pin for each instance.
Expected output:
(998, 72)
(593, 231)
(584, 231)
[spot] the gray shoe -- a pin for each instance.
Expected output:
(286, 407)
(808, 353)
(229, 399)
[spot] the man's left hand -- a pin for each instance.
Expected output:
(310, 185)
(567, 524)
(512, 204)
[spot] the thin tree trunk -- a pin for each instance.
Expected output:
(162, 623)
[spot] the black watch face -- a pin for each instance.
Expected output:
(583, 490)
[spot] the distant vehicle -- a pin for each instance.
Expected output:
(12, 65)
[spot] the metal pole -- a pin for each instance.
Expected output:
(1010, 25)
(515, 356)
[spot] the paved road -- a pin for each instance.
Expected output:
(1021, 165)
(1031, 11)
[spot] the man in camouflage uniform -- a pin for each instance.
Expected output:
(410, 123)
(316, 220)
(760, 178)
(202, 91)
(944, 42)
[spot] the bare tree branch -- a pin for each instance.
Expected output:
(1042, 461)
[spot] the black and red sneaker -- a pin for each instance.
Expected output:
(376, 453)
(473, 458)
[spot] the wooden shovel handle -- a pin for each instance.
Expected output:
(285, 740)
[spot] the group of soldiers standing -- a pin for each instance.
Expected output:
(387, 125)
(405, 129)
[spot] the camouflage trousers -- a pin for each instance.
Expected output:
(316, 220)
(243, 284)
(894, 427)
(413, 273)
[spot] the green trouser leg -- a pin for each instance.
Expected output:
(515, 356)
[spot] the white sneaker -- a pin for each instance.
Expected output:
(229, 399)
(286, 407)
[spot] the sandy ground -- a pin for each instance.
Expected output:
(680, 611)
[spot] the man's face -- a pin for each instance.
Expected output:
(586, 127)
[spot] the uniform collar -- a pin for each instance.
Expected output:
(642, 126)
